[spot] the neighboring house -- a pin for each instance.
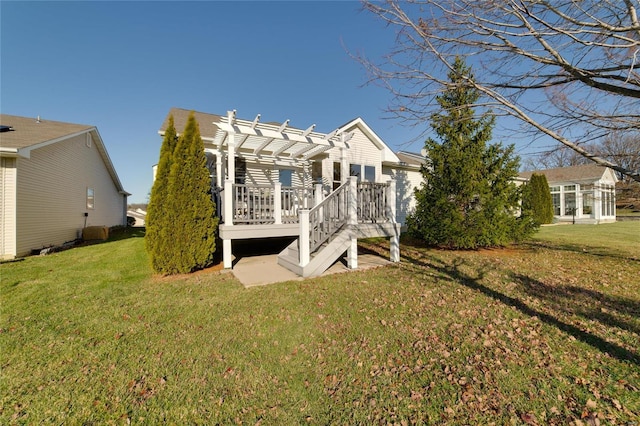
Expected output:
(55, 179)
(581, 194)
(327, 190)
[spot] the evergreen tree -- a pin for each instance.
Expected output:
(156, 241)
(468, 198)
(189, 224)
(537, 199)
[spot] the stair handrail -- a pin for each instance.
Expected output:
(328, 217)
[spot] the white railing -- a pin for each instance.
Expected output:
(294, 199)
(268, 204)
(328, 217)
(253, 204)
(373, 202)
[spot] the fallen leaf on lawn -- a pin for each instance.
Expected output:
(529, 418)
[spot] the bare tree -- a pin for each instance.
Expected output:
(622, 149)
(561, 156)
(568, 69)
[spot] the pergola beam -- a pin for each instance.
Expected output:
(283, 126)
(263, 145)
(284, 148)
(303, 150)
(274, 140)
(309, 130)
(320, 150)
(255, 122)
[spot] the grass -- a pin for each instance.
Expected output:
(546, 332)
(627, 212)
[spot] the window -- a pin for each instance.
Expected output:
(587, 202)
(555, 198)
(608, 200)
(337, 174)
(316, 172)
(90, 198)
(569, 203)
(370, 173)
(285, 177)
(211, 166)
(241, 170)
(355, 170)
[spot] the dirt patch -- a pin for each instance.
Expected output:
(213, 269)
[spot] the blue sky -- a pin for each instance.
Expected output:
(122, 65)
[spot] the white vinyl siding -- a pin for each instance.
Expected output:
(7, 208)
(52, 194)
(267, 174)
(361, 150)
(406, 182)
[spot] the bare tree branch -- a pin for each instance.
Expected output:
(566, 68)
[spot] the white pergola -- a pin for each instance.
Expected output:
(269, 142)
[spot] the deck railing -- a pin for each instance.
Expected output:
(268, 204)
(295, 198)
(373, 202)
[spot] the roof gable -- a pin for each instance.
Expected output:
(387, 153)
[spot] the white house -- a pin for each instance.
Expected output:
(581, 194)
(55, 179)
(325, 189)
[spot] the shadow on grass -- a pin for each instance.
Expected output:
(122, 233)
(587, 303)
(590, 250)
(454, 273)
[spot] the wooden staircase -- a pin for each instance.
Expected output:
(334, 225)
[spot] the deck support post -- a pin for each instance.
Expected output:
(394, 241)
(226, 254)
(304, 237)
(227, 205)
(318, 196)
(219, 179)
(352, 220)
(352, 254)
(277, 202)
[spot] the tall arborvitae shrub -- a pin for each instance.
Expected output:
(468, 198)
(156, 241)
(538, 199)
(189, 224)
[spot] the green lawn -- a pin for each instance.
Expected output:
(542, 333)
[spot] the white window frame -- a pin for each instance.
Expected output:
(91, 198)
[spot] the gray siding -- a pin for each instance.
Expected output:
(52, 194)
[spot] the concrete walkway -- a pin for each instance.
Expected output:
(264, 269)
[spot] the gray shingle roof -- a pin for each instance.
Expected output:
(569, 174)
(205, 121)
(29, 131)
